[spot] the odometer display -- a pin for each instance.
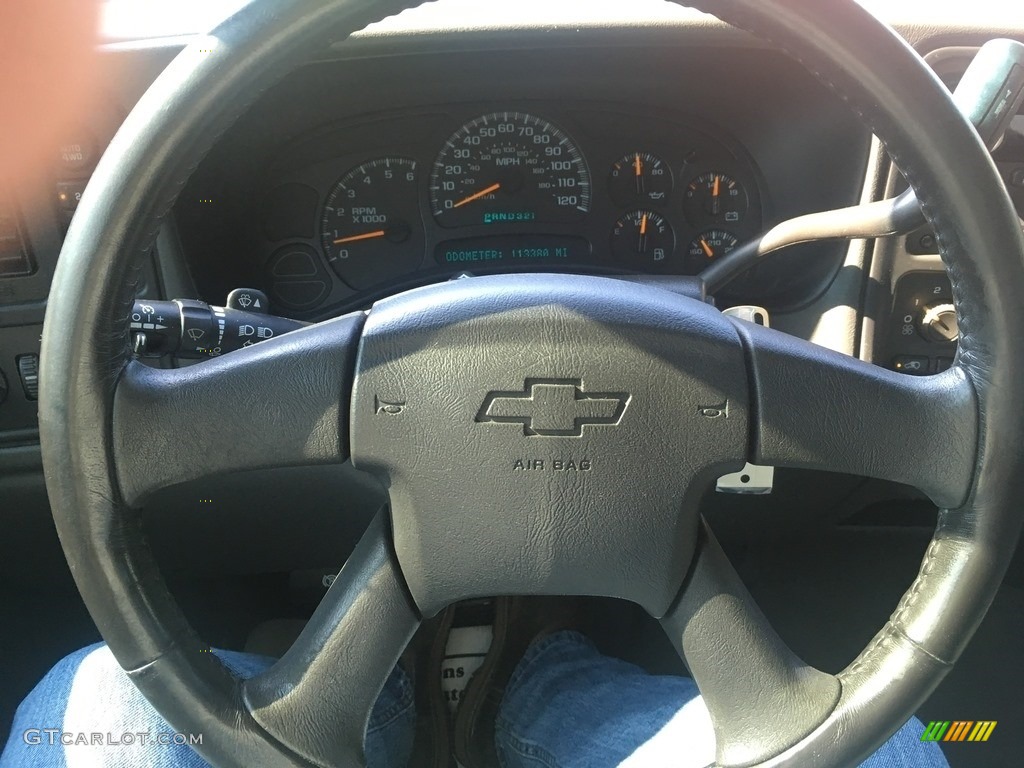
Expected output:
(509, 168)
(519, 250)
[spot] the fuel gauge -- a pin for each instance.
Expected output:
(643, 239)
(639, 177)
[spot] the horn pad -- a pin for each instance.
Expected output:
(547, 434)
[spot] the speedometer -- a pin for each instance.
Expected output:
(509, 168)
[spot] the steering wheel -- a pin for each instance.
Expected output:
(471, 400)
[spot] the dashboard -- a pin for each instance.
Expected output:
(404, 156)
(359, 177)
(463, 138)
(468, 188)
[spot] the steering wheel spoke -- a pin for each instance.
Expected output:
(278, 403)
(317, 699)
(746, 674)
(819, 409)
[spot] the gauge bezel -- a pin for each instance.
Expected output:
(699, 218)
(460, 176)
(602, 132)
(633, 199)
(632, 258)
(695, 255)
(399, 248)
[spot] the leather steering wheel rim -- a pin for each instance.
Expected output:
(90, 390)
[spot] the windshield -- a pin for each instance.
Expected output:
(139, 19)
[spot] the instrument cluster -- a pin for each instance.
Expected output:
(359, 210)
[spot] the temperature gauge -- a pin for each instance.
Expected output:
(709, 246)
(639, 177)
(643, 239)
(714, 198)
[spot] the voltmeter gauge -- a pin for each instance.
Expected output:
(643, 239)
(371, 228)
(639, 177)
(715, 199)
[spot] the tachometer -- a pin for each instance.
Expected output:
(371, 224)
(508, 168)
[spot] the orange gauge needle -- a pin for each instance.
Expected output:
(365, 236)
(478, 195)
(638, 166)
(716, 201)
(641, 245)
(707, 248)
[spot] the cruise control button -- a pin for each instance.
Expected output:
(916, 366)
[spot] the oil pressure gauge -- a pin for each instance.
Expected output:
(639, 177)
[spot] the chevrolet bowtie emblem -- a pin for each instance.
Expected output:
(553, 407)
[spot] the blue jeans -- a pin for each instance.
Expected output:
(566, 706)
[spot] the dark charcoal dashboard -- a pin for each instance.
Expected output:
(388, 163)
(354, 179)
(541, 186)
